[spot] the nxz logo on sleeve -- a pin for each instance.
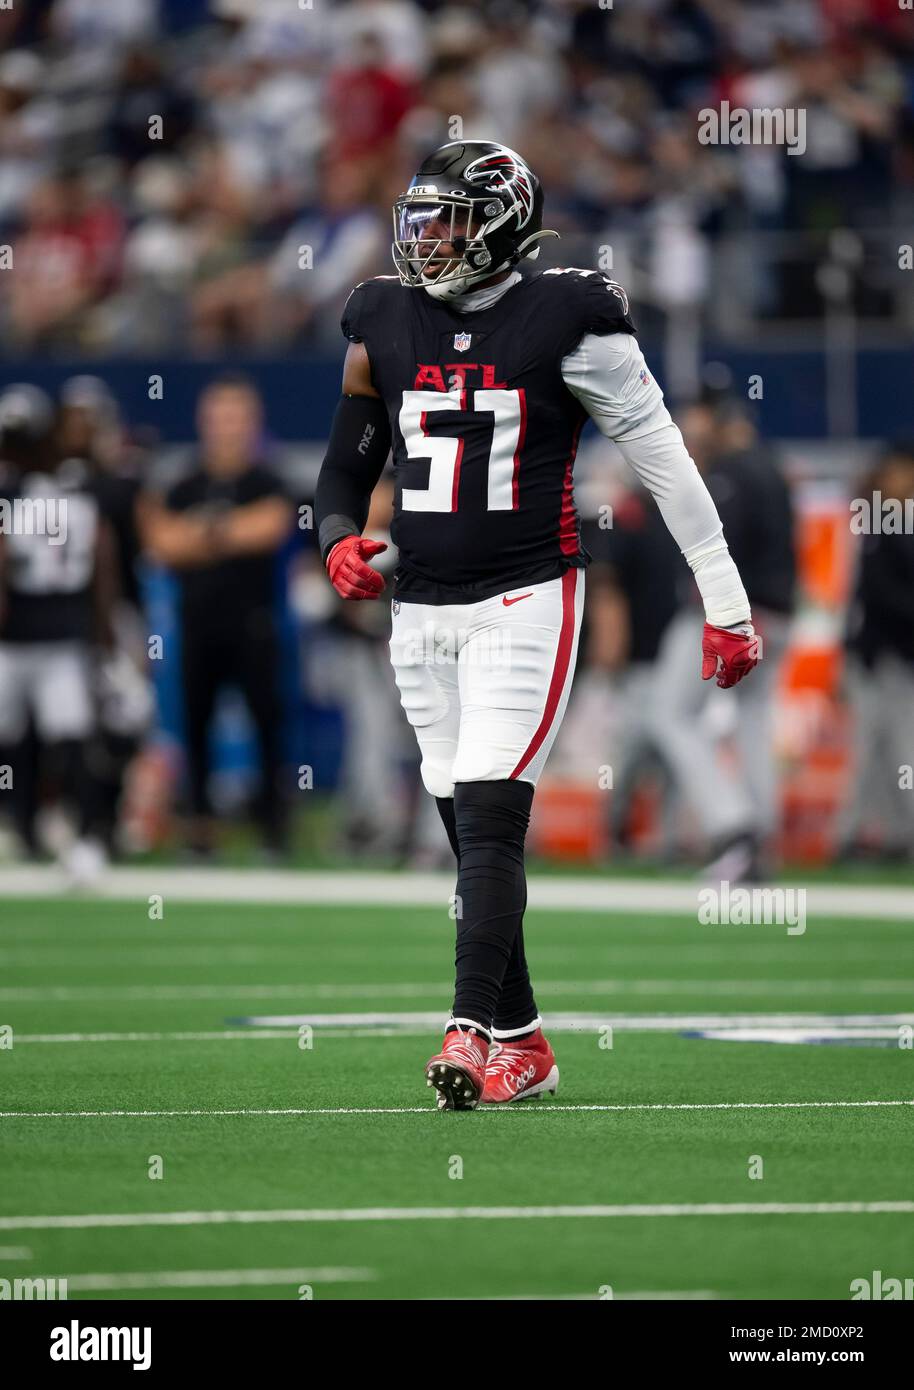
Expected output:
(75, 1343)
(366, 439)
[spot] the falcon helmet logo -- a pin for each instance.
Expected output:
(462, 341)
(505, 172)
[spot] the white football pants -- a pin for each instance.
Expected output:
(485, 685)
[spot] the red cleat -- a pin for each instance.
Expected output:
(518, 1070)
(458, 1072)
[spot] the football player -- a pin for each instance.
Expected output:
(57, 587)
(480, 377)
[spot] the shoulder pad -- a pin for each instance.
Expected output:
(599, 304)
(360, 304)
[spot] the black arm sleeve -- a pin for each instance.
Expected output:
(356, 454)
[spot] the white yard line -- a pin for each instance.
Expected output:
(39, 953)
(32, 994)
(562, 1021)
(337, 1215)
(217, 1278)
(43, 956)
(552, 1108)
(258, 1034)
(166, 993)
(434, 890)
(737, 1027)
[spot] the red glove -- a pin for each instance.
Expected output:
(728, 653)
(349, 573)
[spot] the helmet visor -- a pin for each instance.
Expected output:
(432, 237)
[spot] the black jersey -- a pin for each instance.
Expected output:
(50, 543)
(484, 430)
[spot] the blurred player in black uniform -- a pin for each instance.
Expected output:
(220, 528)
(480, 378)
(57, 586)
(90, 428)
(90, 434)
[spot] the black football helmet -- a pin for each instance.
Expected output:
(473, 208)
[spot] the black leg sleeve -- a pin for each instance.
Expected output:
(516, 1004)
(491, 821)
(516, 1008)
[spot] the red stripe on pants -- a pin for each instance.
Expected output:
(559, 670)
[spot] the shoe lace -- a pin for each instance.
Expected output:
(468, 1047)
(503, 1059)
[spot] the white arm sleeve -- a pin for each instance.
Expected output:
(608, 376)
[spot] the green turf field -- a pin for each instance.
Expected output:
(360, 1188)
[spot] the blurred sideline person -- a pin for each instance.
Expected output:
(880, 679)
(633, 596)
(481, 377)
(57, 586)
(754, 502)
(90, 434)
(220, 529)
(89, 428)
(738, 806)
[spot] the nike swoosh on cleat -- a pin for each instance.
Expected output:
(508, 601)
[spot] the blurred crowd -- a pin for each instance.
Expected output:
(214, 174)
(112, 687)
(211, 177)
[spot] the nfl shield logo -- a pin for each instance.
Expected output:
(462, 341)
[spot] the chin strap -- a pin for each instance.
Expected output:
(453, 289)
(521, 251)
